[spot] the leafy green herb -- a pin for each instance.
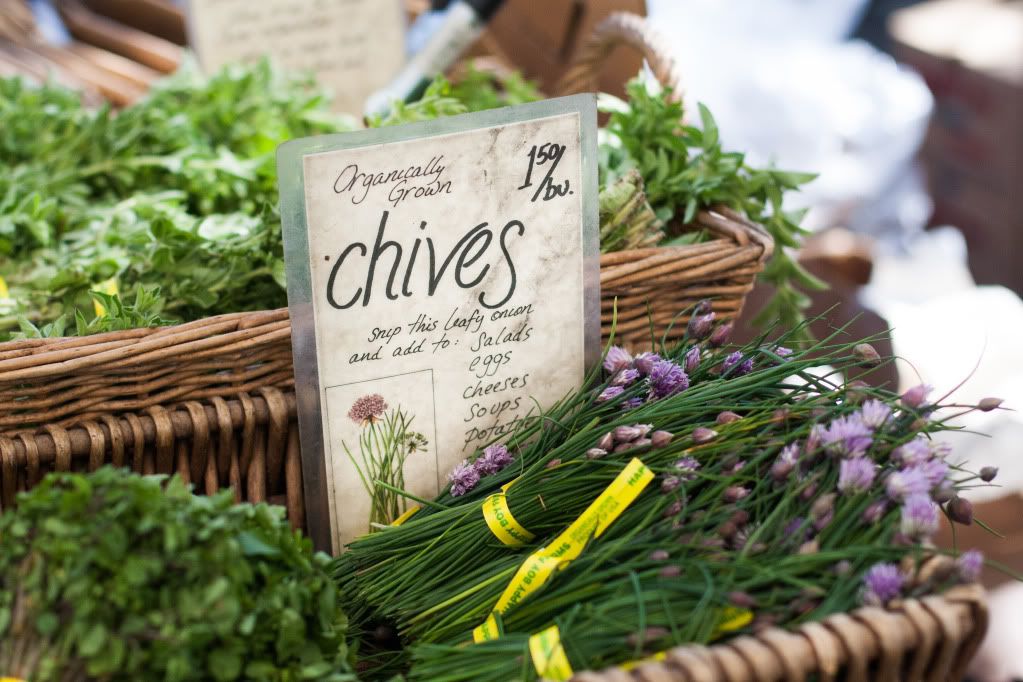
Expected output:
(176, 194)
(120, 577)
(685, 169)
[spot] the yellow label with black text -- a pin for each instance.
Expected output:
(548, 655)
(4, 293)
(567, 546)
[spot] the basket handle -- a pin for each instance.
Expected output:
(621, 28)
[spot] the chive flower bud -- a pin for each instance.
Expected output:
(867, 355)
(650, 634)
(742, 599)
(606, 441)
(699, 326)
(553, 464)
(727, 417)
(661, 438)
(944, 494)
(626, 377)
(873, 513)
(673, 509)
(703, 307)
(960, 510)
(988, 474)
(734, 493)
(823, 506)
(641, 443)
(627, 434)
(740, 517)
(786, 462)
(720, 336)
(687, 467)
(915, 397)
(595, 453)
(610, 393)
(727, 530)
(622, 447)
(670, 572)
(659, 555)
(701, 435)
(617, 359)
(988, 404)
(670, 483)
(692, 360)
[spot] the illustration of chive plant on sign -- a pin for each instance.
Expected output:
(386, 440)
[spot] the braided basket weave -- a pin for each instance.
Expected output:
(917, 640)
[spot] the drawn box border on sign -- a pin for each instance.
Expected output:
(433, 404)
(291, 179)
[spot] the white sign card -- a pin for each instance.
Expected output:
(353, 47)
(449, 269)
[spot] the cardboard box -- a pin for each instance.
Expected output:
(542, 38)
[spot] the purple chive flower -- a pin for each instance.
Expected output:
(816, 437)
(632, 403)
(667, 378)
(970, 564)
(699, 326)
(935, 471)
(881, 584)
(692, 359)
(915, 397)
(856, 475)
(874, 512)
(782, 351)
(913, 453)
(794, 526)
(906, 483)
(645, 362)
(720, 335)
(626, 377)
(617, 359)
(464, 478)
(847, 436)
(687, 468)
(874, 414)
(786, 462)
(494, 458)
(368, 409)
(919, 517)
(940, 450)
(734, 360)
(610, 393)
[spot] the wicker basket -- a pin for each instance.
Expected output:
(213, 399)
(930, 639)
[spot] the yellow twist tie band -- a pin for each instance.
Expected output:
(548, 655)
(592, 523)
(398, 521)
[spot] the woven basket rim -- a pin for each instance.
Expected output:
(932, 637)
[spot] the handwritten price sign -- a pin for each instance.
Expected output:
(447, 270)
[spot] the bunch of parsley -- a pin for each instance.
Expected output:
(115, 576)
(175, 197)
